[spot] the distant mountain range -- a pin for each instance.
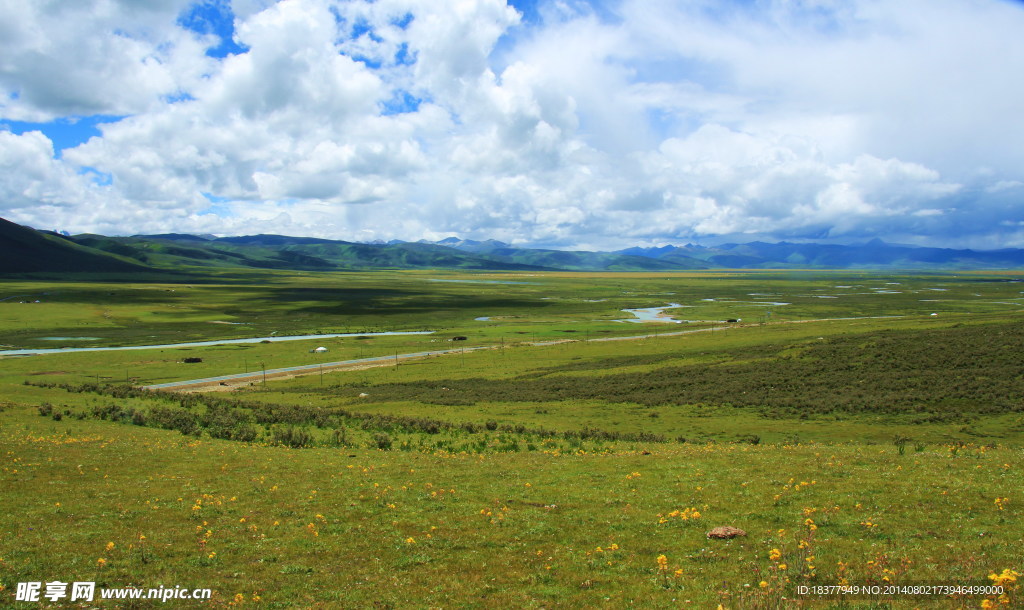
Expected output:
(26, 250)
(874, 254)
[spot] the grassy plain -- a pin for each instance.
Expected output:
(853, 434)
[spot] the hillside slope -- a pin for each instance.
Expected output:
(25, 250)
(295, 253)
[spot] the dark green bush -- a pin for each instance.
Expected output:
(382, 440)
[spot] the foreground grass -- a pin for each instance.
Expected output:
(351, 527)
(490, 496)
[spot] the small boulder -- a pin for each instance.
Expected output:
(725, 532)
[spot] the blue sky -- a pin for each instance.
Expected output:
(213, 18)
(65, 132)
(559, 123)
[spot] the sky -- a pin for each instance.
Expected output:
(575, 124)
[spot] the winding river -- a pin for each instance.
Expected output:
(654, 314)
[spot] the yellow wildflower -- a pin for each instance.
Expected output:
(1008, 577)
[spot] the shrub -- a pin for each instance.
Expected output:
(382, 440)
(246, 433)
(174, 419)
(339, 437)
(290, 436)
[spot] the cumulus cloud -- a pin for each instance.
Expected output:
(93, 57)
(587, 125)
(31, 178)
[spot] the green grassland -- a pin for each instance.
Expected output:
(859, 436)
(126, 313)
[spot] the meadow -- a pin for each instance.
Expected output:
(862, 428)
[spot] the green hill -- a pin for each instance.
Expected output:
(25, 250)
(297, 253)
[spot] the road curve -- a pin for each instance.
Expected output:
(308, 368)
(379, 360)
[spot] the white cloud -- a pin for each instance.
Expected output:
(30, 178)
(921, 80)
(93, 57)
(647, 120)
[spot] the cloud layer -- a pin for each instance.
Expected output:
(566, 124)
